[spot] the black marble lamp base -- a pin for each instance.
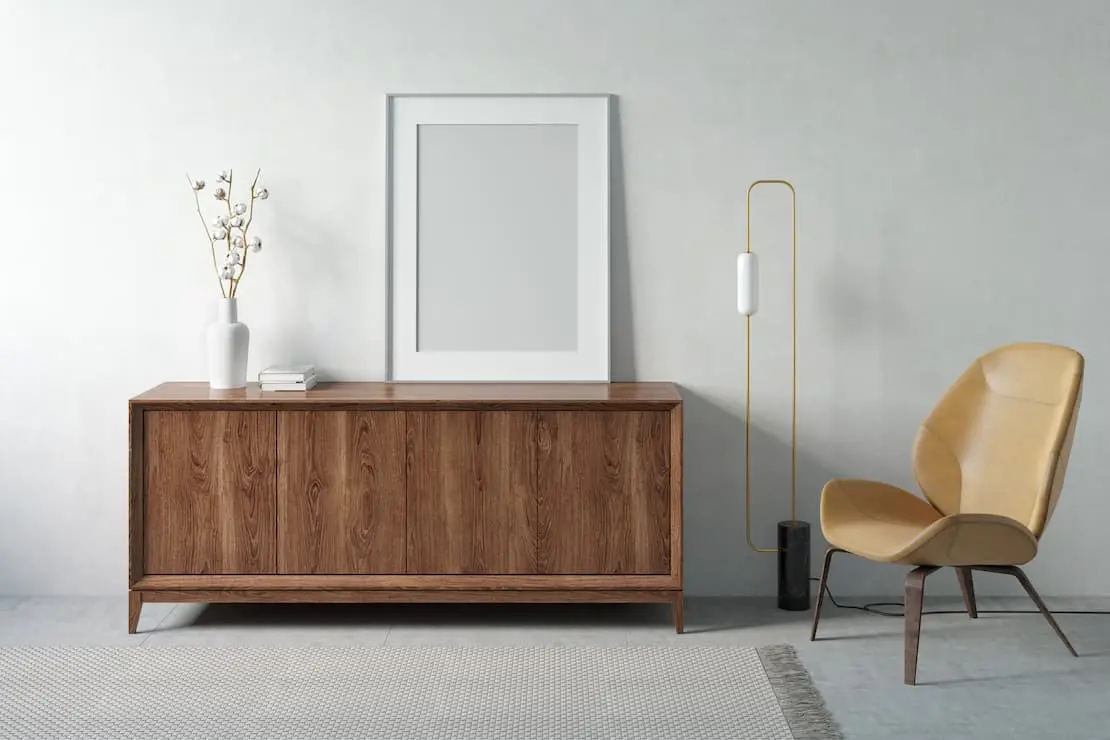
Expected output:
(794, 566)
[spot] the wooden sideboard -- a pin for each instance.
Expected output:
(411, 492)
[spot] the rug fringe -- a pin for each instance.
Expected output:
(802, 704)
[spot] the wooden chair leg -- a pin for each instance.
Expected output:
(1018, 573)
(915, 596)
(967, 587)
(1028, 586)
(821, 587)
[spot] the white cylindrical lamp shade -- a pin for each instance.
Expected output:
(747, 283)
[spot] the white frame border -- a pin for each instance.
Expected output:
(591, 114)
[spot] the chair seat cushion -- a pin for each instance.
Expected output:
(871, 519)
(888, 524)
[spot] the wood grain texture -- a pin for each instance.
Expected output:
(914, 598)
(407, 492)
(676, 431)
(604, 488)
(253, 596)
(443, 396)
(136, 458)
(210, 492)
(401, 583)
(341, 492)
(471, 492)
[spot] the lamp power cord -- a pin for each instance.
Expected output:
(881, 608)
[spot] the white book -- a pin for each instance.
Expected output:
(285, 378)
(286, 373)
(303, 386)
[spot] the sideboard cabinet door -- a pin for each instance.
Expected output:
(604, 492)
(341, 492)
(471, 492)
(209, 492)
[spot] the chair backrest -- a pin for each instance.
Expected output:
(999, 440)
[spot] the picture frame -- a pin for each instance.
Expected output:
(498, 237)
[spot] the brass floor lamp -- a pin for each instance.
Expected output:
(793, 535)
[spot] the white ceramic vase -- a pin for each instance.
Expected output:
(228, 342)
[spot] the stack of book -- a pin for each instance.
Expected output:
(288, 378)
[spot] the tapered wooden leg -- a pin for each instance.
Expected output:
(134, 608)
(821, 590)
(1028, 586)
(915, 596)
(967, 587)
(678, 607)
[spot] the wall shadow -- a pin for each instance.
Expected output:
(717, 558)
(622, 354)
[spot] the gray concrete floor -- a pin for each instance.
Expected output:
(1004, 676)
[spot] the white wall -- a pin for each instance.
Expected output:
(951, 159)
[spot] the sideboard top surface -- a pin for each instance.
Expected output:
(443, 395)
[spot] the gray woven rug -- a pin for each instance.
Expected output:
(153, 693)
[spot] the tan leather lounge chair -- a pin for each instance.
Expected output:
(990, 460)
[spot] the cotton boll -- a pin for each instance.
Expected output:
(227, 272)
(237, 241)
(232, 258)
(198, 184)
(239, 209)
(220, 233)
(220, 194)
(237, 221)
(262, 194)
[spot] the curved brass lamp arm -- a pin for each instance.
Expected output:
(794, 373)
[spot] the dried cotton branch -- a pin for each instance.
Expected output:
(231, 228)
(197, 186)
(246, 226)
